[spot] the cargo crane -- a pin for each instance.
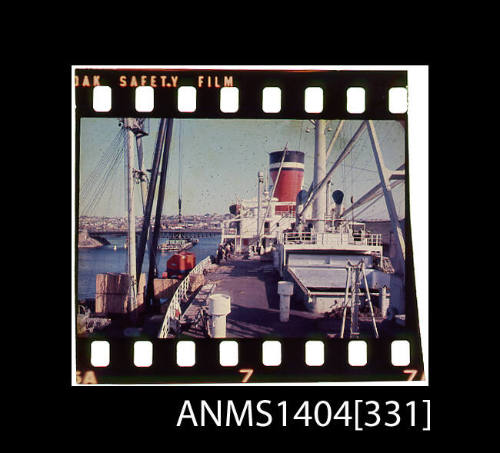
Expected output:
(135, 127)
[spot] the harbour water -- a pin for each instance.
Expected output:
(106, 259)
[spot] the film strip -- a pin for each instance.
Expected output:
(362, 325)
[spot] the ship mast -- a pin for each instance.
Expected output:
(131, 263)
(319, 205)
(259, 204)
(180, 175)
(146, 228)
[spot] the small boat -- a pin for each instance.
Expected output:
(174, 245)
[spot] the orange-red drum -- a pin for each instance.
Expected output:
(180, 264)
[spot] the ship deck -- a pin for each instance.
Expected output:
(252, 285)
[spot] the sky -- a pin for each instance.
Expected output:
(220, 160)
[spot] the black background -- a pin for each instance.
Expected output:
(153, 411)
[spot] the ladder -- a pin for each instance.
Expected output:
(352, 301)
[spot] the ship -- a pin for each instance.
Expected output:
(299, 266)
(291, 261)
(176, 245)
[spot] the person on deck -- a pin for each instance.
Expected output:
(219, 254)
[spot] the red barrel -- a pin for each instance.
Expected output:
(180, 264)
(291, 177)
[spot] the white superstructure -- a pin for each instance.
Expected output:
(313, 243)
(317, 262)
(254, 233)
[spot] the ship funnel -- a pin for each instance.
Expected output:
(338, 197)
(291, 176)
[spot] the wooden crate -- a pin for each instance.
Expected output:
(111, 283)
(164, 288)
(112, 293)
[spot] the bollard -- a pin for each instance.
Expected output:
(285, 290)
(219, 306)
(276, 259)
(384, 301)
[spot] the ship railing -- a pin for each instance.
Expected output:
(299, 238)
(309, 238)
(373, 239)
(173, 313)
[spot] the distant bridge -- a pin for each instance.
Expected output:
(169, 233)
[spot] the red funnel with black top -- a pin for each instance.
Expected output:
(291, 177)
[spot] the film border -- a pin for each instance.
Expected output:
(250, 84)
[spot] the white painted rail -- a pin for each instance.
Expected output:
(173, 313)
(372, 239)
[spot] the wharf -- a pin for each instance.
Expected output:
(252, 285)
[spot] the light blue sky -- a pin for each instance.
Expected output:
(221, 159)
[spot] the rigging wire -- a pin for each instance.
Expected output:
(364, 158)
(99, 165)
(352, 191)
(87, 191)
(180, 172)
(387, 137)
(97, 194)
(95, 175)
(108, 203)
(101, 177)
(300, 137)
(104, 182)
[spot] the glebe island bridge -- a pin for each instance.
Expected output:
(171, 233)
